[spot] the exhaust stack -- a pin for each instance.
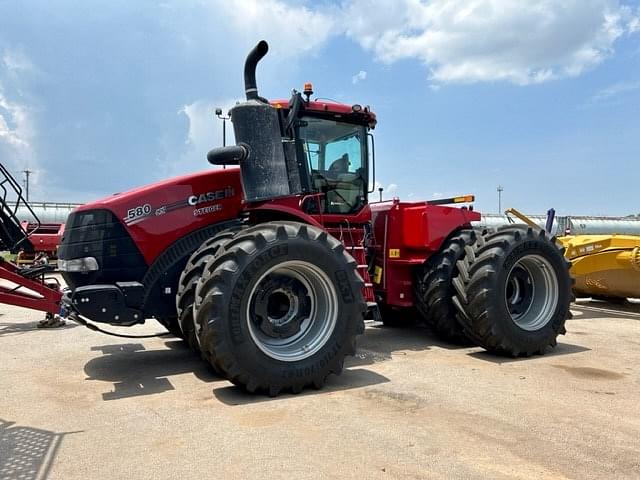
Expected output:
(250, 64)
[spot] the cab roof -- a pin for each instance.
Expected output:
(355, 113)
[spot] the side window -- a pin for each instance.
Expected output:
(344, 155)
(312, 150)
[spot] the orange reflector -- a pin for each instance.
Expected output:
(464, 199)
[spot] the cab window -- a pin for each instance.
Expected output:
(336, 156)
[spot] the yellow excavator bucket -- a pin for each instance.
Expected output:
(604, 265)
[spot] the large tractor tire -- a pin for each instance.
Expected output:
(513, 291)
(283, 305)
(189, 279)
(434, 290)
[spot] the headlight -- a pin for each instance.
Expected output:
(86, 264)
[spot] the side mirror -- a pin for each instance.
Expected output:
(372, 154)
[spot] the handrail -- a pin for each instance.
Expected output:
(12, 234)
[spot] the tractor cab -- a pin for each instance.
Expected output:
(333, 150)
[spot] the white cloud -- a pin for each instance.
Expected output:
(388, 192)
(492, 40)
(204, 133)
(290, 29)
(16, 61)
(14, 124)
(359, 77)
(17, 140)
(634, 21)
(18, 118)
(391, 189)
(18, 132)
(615, 90)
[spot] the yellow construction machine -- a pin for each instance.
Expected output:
(605, 267)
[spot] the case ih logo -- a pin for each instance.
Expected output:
(211, 196)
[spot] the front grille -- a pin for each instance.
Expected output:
(99, 234)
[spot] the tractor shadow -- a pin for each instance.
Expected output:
(349, 379)
(560, 350)
(377, 345)
(27, 453)
(380, 343)
(135, 371)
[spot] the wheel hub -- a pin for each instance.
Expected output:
(531, 292)
(281, 305)
(292, 310)
(519, 291)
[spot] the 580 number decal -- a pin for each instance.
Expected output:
(138, 212)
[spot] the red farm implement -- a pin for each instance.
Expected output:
(31, 287)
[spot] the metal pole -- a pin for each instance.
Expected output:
(224, 127)
(224, 131)
(27, 172)
(380, 190)
(500, 190)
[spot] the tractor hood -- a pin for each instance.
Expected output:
(158, 214)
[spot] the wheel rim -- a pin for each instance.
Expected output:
(531, 292)
(292, 311)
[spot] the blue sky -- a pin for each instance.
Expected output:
(541, 97)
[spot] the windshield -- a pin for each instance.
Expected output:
(336, 156)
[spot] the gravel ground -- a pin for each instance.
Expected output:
(77, 404)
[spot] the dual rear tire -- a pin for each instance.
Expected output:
(508, 291)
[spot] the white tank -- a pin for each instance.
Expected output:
(603, 225)
(493, 220)
(47, 212)
(577, 225)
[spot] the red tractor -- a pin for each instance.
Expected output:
(269, 269)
